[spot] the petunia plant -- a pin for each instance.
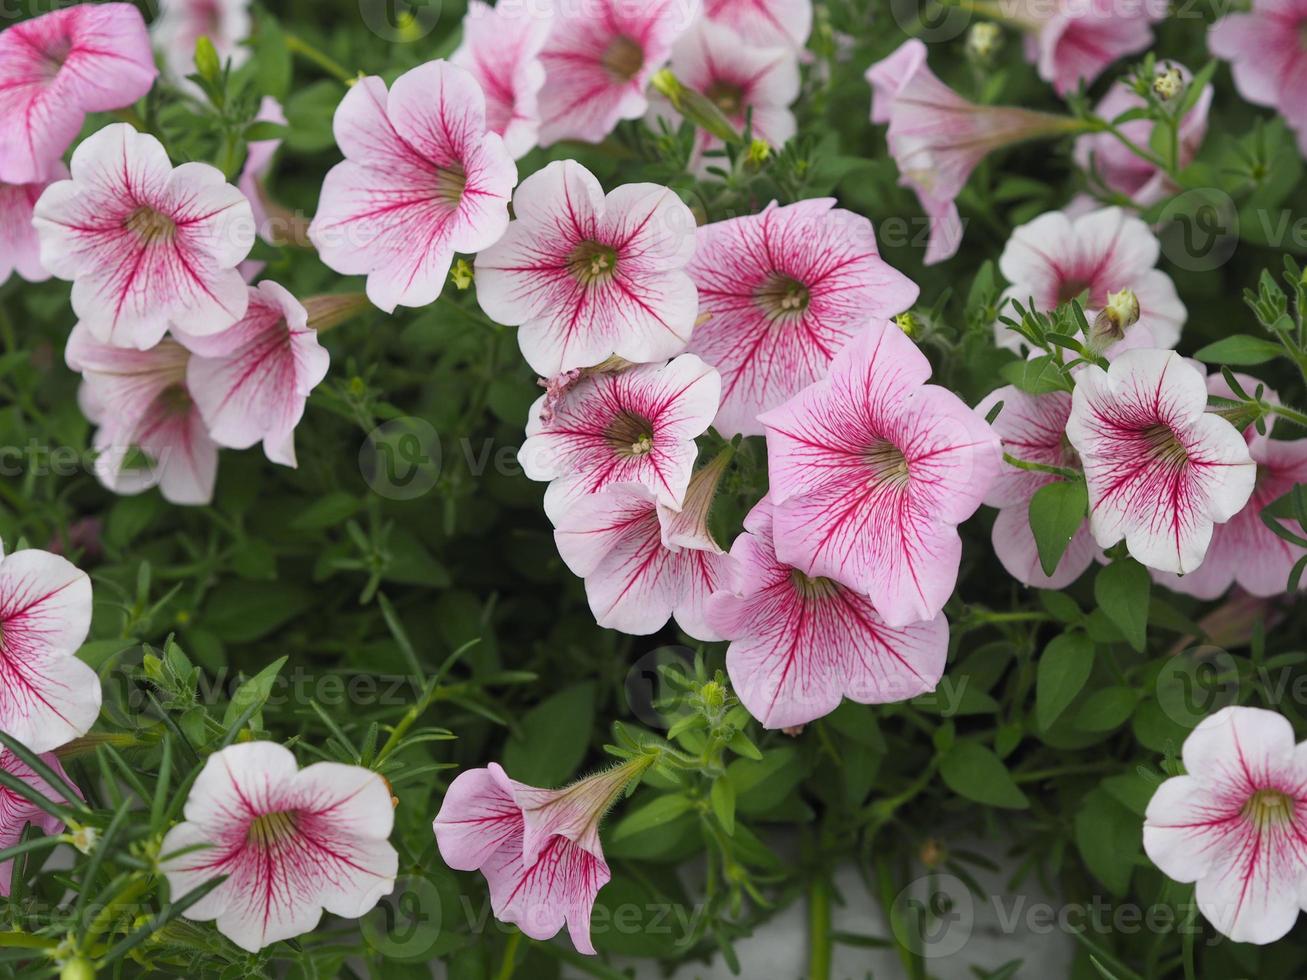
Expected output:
(777, 488)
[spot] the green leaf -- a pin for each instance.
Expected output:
(1064, 666)
(659, 810)
(1122, 589)
(1109, 837)
(1241, 350)
(973, 771)
(242, 612)
(1056, 513)
(1106, 709)
(554, 737)
(328, 511)
(253, 693)
(1038, 376)
(723, 802)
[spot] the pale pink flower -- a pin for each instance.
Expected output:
(501, 48)
(251, 381)
(292, 842)
(1245, 551)
(872, 470)
(181, 23)
(1033, 429)
(632, 426)
(539, 849)
(1161, 470)
(783, 291)
(1074, 41)
(88, 57)
(1233, 823)
(258, 161)
(422, 179)
(1054, 259)
(642, 562)
(1268, 58)
(16, 811)
(47, 696)
(598, 62)
(937, 138)
(746, 82)
(151, 430)
(586, 276)
(145, 244)
(767, 23)
(1124, 172)
(20, 250)
(800, 645)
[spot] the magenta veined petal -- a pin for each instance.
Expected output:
(20, 249)
(769, 23)
(16, 811)
(293, 842)
(47, 696)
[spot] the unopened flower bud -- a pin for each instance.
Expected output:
(461, 275)
(759, 153)
(713, 695)
(1120, 313)
(332, 309)
(666, 84)
(77, 968)
(1168, 84)
(908, 323)
(984, 41)
(85, 838)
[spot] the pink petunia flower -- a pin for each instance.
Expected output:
(145, 244)
(151, 430)
(1268, 58)
(1074, 41)
(181, 23)
(642, 562)
(47, 696)
(767, 23)
(16, 811)
(747, 83)
(598, 62)
(258, 161)
(1244, 550)
(250, 382)
(88, 57)
(872, 470)
(20, 250)
(1033, 429)
(586, 276)
(1232, 824)
(1161, 469)
(1054, 259)
(800, 645)
(422, 179)
(783, 291)
(1124, 172)
(293, 842)
(501, 48)
(937, 137)
(633, 426)
(539, 849)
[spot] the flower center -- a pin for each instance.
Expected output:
(888, 464)
(451, 182)
(623, 58)
(150, 226)
(1164, 447)
(593, 262)
(1269, 808)
(1071, 289)
(812, 588)
(630, 434)
(175, 400)
(270, 829)
(783, 299)
(726, 96)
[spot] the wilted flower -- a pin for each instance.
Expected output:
(292, 842)
(872, 470)
(784, 291)
(1161, 469)
(422, 179)
(16, 811)
(1267, 56)
(539, 849)
(1232, 824)
(146, 244)
(87, 57)
(632, 426)
(48, 696)
(586, 276)
(800, 645)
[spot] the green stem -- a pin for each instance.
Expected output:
(1026, 464)
(510, 956)
(1291, 414)
(297, 45)
(23, 940)
(819, 929)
